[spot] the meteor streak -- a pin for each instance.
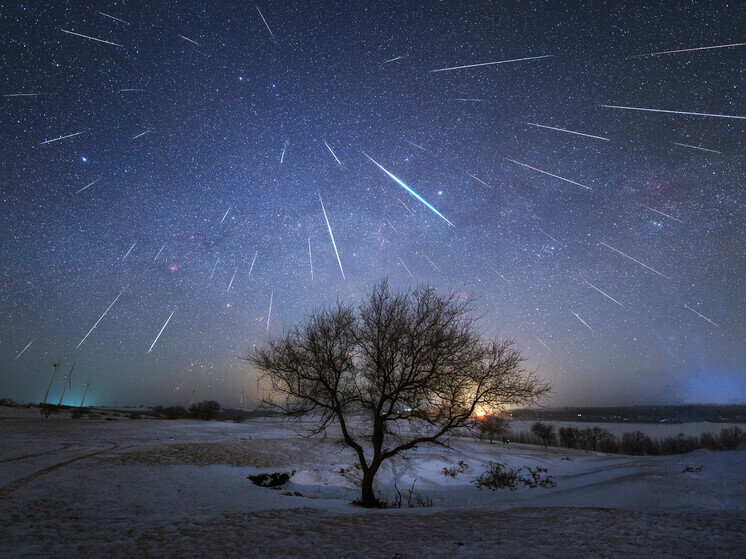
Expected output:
(213, 268)
(282, 155)
(548, 235)
(467, 100)
(267, 24)
(479, 180)
(550, 174)
(394, 228)
(405, 207)
(492, 63)
(432, 263)
(252, 261)
(604, 294)
(138, 135)
(86, 186)
(701, 315)
(269, 314)
(225, 215)
(332, 236)
(690, 50)
(408, 189)
(569, 131)
(190, 40)
(130, 250)
(161, 332)
(656, 211)
(231, 282)
(114, 18)
(405, 267)
(672, 112)
(89, 37)
(159, 252)
(127, 90)
(696, 147)
(542, 343)
(581, 320)
(498, 273)
(62, 138)
(333, 154)
(310, 259)
(415, 145)
(393, 59)
(99, 320)
(21, 94)
(637, 261)
(25, 348)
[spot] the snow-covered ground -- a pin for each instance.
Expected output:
(147, 488)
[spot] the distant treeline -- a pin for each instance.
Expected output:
(735, 413)
(635, 443)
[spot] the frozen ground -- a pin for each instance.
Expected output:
(146, 488)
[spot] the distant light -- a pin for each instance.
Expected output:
(84, 159)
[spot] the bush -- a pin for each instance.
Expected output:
(275, 479)
(135, 415)
(414, 499)
(499, 476)
(680, 444)
(709, 441)
(731, 438)
(206, 410)
(610, 445)
(460, 468)
(534, 478)
(636, 443)
(49, 409)
(77, 413)
(175, 412)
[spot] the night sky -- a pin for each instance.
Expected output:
(174, 160)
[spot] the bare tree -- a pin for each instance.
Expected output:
(594, 435)
(493, 426)
(545, 431)
(397, 371)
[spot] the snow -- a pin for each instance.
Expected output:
(151, 488)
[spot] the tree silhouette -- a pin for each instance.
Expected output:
(397, 371)
(545, 431)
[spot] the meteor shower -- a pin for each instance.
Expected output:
(197, 196)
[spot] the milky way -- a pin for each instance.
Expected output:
(172, 158)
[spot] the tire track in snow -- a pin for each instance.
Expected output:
(65, 446)
(25, 480)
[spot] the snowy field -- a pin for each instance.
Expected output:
(147, 488)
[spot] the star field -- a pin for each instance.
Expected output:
(176, 155)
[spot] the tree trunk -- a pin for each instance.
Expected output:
(368, 497)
